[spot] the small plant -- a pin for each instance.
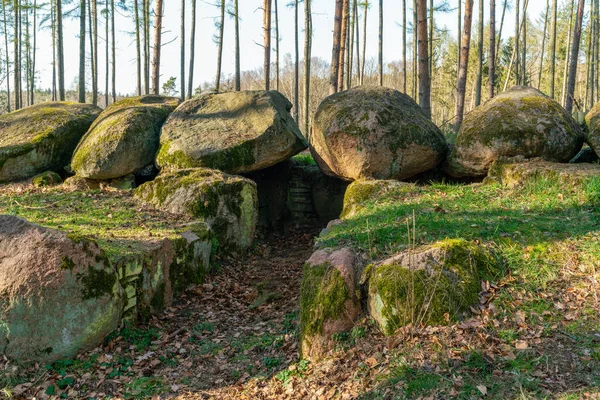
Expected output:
(271, 362)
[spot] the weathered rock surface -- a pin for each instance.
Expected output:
(124, 138)
(518, 171)
(328, 299)
(431, 285)
(592, 120)
(375, 133)
(227, 203)
(233, 132)
(58, 295)
(41, 137)
(363, 190)
(519, 122)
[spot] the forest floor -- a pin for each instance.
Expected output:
(535, 333)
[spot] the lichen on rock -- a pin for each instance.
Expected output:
(519, 122)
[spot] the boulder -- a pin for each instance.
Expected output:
(519, 122)
(227, 203)
(124, 138)
(592, 120)
(329, 303)
(235, 132)
(47, 178)
(58, 294)
(375, 133)
(359, 192)
(433, 285)
(41, 137)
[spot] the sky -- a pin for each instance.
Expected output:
(250, 34)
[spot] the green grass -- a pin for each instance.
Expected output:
(535, 228)
(304, 159)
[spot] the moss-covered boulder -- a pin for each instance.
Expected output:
(124, 138)
(58, 294)
(375, 133)
(329, 299)
(41, 137)
(235, 132)
(516, 171)
(227, 203)
(433, 285)
(592, 120)
(358, 192)
(519, 122)
(48, 178)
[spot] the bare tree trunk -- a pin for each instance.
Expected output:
(431, 31)
(7, 57)
(524, 49)
(182, 51)
(404, 74)
(267, 41)
(107, 31)
(364, 48)
(492, 50)
(335, 53)
(276, 46)
(357, 22)
(307, 61)
(464, 64)
(343, 45)
(138, 47)
(574, 57)
(350, 47)
(543, 44)
(238, 72)
(567, 57)
(499, 40)
(553, 48)
(458, 42)
(478, 84)
(60, 50)
(53, 27)
(82, 51)
(34, 51)
(415, 50)
(193, 51)
(424, 83)
(296, 64)
(93, 35)
(114, 47)
(596, 51)
(380, 63)
(157, 47)
(517, 42)
(146, 22)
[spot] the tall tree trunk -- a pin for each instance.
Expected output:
(543, 44)
(524, 49)
(596, 51)
(492, 50)
(238, 72)
(552, 59)
(193, 50)
(424, 83)
(350, 47)
(107, 32)
(335, 53)
(7, 57)
(415, 50)
(380, 53)
(220, 47)
(478, 84)
(431, 31)
(567, 57)
(464, 64)
(517, 42)
(182, 51)
(276, 46)
(307, 62)
(93, 35)
(499, 40)
(60, 49)
(267, 42)
(27, 53)
(82, 16)
(343, 44)
(34, 52)
(574, 57)
(113, 47)
(404, 64)
(53, 27)
(458, 42)
(146, 22)
(364, 48)
(157, 47)
(138, 47)
(296, 64)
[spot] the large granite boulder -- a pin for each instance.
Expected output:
(519, 122)
(41, 137)
(592, 120)
(375, 133)
(58, 294)
(432, 285)
(227, 203)
(235, 132)
(124, 138)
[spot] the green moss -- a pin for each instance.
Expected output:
(158, 301)
(47, 178)
(323, 294)
(97, 282)
(361, 191)
(67, 264)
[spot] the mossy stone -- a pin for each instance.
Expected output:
(434, 285)
(124, 138)
(234, 132)
(47, 178)
(361, 191)
(519, 122)
(371, 132)
(41, 137)
(592, 121)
